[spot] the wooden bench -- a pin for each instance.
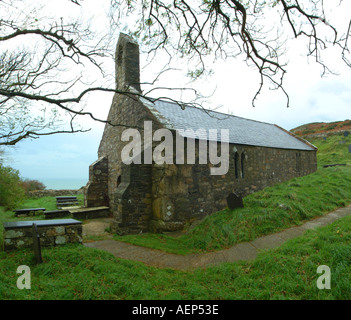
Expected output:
(63, 201)
(29, 211)
(18, 235)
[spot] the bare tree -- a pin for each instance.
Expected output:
(43, 60)
(41, 73)
(254, 30)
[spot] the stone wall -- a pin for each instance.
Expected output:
(164, 197)
(18, 235)
(185, 192)
(129, 186)
(54, 193)
(96, 191)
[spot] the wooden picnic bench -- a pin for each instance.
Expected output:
(64, 201)
(29, 211)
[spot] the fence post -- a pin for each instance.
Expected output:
(36, 244)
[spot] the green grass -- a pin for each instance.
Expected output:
(332, 151)
(49, 203)
(288, 272)
(270, 210)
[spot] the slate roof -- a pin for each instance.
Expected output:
(241, 131)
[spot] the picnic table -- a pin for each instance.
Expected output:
(27, 211)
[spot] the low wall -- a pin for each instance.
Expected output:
(18, 235)
(54, 193)
(91, 213)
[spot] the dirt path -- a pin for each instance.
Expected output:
(242, 251)
(96, 227)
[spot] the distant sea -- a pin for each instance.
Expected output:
(70, 184)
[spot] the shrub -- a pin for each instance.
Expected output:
(11, 191)
(32, 185)
(331, 127)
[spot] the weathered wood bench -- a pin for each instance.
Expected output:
(64, 201)
(29, 211)
(18, 235)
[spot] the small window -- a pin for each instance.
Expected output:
(298, 163)
(243, 165)
(236, 165)
(119, 179)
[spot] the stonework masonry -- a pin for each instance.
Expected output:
(53, 193)
(157, 198)
(96, 191)
(54, 234)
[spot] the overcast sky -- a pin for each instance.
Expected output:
(312, 99)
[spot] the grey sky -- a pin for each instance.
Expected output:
(312, 99)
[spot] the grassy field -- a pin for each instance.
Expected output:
(288, 272)
(268, 211)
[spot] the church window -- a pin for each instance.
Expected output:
(236, 164)
(243, 165)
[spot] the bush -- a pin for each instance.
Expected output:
(32, 185)
(11, 191)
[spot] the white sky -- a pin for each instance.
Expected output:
(312, 99)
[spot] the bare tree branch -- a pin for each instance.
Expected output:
(234, 28)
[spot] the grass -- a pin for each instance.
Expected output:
(268, 211)
(333, 150)
(289, 272)
(49, 203)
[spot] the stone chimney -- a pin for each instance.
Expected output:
(127, 63)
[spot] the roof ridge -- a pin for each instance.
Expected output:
(242, 130)
(208, 110)
(297, 137)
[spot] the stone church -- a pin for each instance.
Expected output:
(154, 196)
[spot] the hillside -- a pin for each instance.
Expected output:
(331, 138)
(318, 129)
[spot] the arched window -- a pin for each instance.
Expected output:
(243, 165)
(236, 165)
